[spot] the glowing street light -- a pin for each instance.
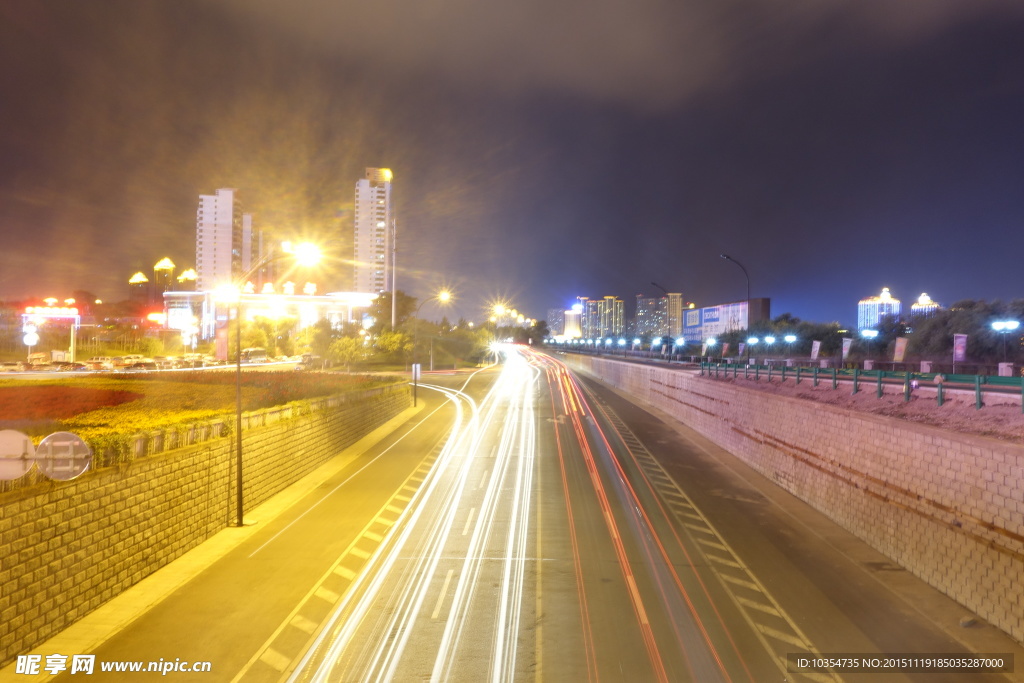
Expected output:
(443, 297)
(789, 339)
(1003, 327)
(305, 254)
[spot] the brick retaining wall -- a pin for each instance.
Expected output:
(948, 507)
(68, 547)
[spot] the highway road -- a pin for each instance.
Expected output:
(525, 525)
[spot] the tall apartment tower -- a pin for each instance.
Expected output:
(651, 314)
(225, 249)
(374, 238)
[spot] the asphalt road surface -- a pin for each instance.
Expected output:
(525, 525)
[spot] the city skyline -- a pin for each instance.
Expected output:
(830, 151)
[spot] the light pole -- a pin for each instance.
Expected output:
(746, 275)
(304, 254)
(789, 339)
(1002, 327)
(442, 297)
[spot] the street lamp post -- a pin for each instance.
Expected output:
(443, 297)
(1002, 327)
(305, 254)
(746, 275)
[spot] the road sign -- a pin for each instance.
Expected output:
(62, 456)
(16, 454)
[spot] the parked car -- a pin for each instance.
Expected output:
(72, 367)
(142, 366)
(10, 366)
(41, 367)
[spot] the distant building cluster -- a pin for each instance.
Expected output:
(232, 252)
(655, 317)
(871, 311)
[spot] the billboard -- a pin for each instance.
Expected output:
(700, 324)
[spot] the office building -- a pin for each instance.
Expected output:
(374, 233)
(871, 310)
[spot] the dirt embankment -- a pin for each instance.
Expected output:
(958, 412)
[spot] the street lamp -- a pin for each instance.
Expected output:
(443, 297)
(746, 275)
(305, 254)
(1002, 327)
(751, 342)
(789, 339)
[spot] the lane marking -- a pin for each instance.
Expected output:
(326, 594)
(472, 513)
(345, 572)
(303, 624)
(444, 592)
(275, 660)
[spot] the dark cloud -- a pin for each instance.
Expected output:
(644, 53)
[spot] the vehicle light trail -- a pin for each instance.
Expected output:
(383, 628)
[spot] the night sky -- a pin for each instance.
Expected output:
(542, 149)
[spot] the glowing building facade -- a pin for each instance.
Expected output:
(924, 307)
(871, 310)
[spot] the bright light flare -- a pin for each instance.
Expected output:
(306, 254)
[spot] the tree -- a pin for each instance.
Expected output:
(393, 344)
(346, 350)
(380, 310)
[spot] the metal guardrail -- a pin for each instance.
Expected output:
(879, 378)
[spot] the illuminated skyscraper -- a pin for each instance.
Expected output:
(651, 313)
(871, 310)
(373, 239)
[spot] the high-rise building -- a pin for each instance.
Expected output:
(651, 313)
(674, 306)
(612, 316)
(602, 317)
(871, 310)
(225, 249)
(556, 321)
(373, 239)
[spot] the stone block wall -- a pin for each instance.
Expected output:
(68, 547)
(948, 507)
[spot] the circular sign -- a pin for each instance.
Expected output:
(30, 339)
(16, 454)
(63, 456)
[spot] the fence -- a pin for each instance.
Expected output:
(979, 384)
